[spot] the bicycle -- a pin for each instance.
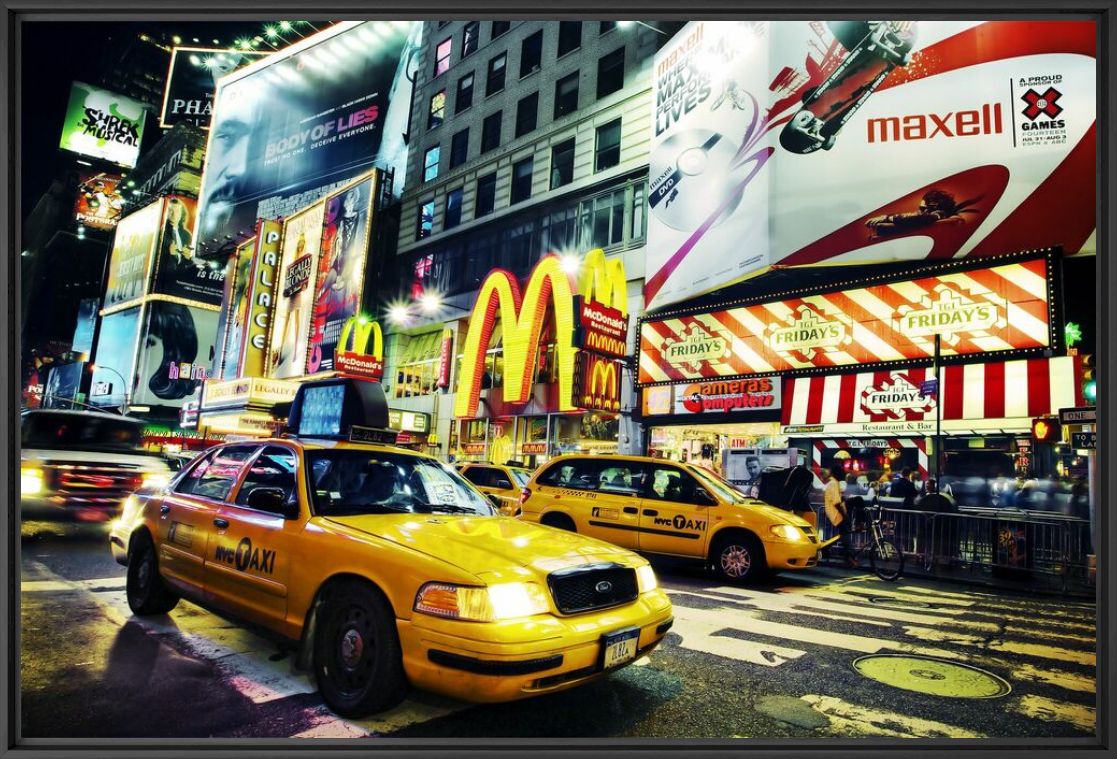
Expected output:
(885, 556)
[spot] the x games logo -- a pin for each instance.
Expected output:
(1042, 104)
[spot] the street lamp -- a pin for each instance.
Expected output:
(123, 382)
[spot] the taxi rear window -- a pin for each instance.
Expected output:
(623, 477)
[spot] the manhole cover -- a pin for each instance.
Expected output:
(886, 601)
(934, 677)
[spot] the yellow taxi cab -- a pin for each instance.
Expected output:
(504, 482)
(385, 567)
(656, 506)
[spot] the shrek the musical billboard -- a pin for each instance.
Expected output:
(290, 129)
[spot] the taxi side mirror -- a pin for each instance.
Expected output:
(273, 500)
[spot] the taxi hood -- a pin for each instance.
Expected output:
(492, 548)
(777, 515)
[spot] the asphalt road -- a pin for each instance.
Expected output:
(785, 659)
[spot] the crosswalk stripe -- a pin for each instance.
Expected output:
(867, 721)
(1066, 680)
(697, 632)
(930, 635)
(1050, 710)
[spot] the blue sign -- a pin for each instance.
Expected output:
(929, 388)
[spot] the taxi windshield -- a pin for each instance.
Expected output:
(724, 490)
(349, 482)
(521, 476)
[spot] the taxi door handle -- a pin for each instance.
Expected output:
(630, 510)
(651, 513)
(221, 522)
(164, 509)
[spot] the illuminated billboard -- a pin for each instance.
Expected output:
(132, 254)
(192, 79)
(178, 272)
(175, 352)
(102, 124)
(99, 202)
(800, 143)
(1000, 308)
(294, 297)
(307, 120)
(260, 299)
(115, 359)
(234, 312)
(341, 269)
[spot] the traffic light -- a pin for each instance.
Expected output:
(1089, 384)
(1046, 430)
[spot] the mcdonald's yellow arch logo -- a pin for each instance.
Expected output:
(359, 331)
(604, 281)
(522, 319)
(602, 390)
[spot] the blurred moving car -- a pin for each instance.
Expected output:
(81, 465)
(505, 482)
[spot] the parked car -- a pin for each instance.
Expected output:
(504, 482)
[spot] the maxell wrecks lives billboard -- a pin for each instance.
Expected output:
(808, 143)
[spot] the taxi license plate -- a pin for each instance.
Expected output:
(619, 647)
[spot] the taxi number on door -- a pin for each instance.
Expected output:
(619, 647)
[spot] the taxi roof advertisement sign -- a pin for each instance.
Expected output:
(303, 122)
(102, 124)
(810, 143)
(1001, 308)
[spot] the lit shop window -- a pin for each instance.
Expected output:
(430, 163)
(437, 109)
(442, 56)
(418, 362)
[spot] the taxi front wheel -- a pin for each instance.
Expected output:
(739, 558)
(357, 659)
(145, 589)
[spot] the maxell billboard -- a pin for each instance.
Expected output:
(307, 120)
(809, 143)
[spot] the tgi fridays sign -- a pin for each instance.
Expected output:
(992, 309)
(732, 396)
(895, 397)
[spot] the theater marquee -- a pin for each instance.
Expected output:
(1004, 307)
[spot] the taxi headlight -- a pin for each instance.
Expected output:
(156, 480)
(488, 604)
(30, 481)
(645, 578)
(787, 532)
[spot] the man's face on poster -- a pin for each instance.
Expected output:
(237, 117)
(753, 465)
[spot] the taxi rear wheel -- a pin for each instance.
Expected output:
(559, 520)
(357, 659)
(739, 557)
(147, 594)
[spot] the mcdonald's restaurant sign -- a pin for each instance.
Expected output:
(597, 382)
(355, 357)
(601, 286)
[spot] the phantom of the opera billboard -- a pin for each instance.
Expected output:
(971, 310)
(102, 124)
(192, 79)
(304, 122)
(809, 143)
(132, 254)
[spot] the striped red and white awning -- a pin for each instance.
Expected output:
(999, 395)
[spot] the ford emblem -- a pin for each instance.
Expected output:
(603, 587)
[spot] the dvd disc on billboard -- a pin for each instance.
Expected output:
(690, 177)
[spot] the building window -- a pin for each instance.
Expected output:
(437, 109)
(486, 195)
(442, 24)
(638, 218)
(470, 34)
(531, 54)
(562, 163)
(527, 113)
(490, 132)
(607, 148)
(499, 28)
(521, 180)
(442, 56)
(426, 221)
(453, 209)
(607, 26)
(566, 95)
(602, 220)
(495, 82)
(570, 37)
(459, 148)
(610, 73)
(465, 93)
(430, 163)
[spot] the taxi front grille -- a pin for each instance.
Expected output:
(595, 586)
(811, 536)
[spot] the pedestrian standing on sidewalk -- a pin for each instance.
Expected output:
(836, 510)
